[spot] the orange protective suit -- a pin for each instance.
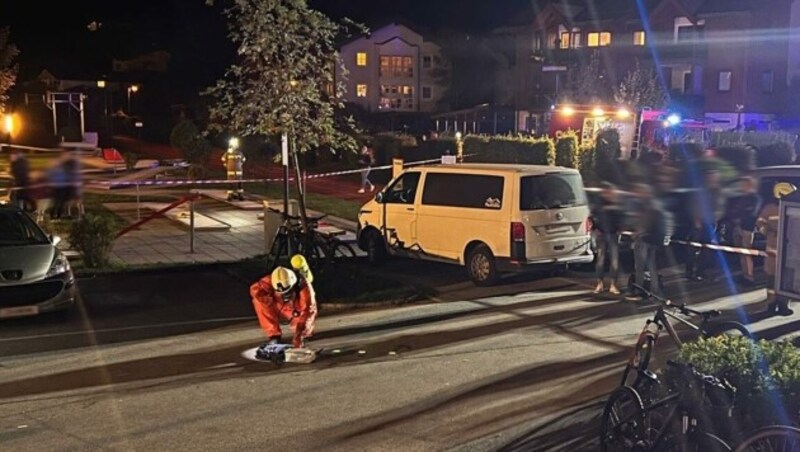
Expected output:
(272, 309)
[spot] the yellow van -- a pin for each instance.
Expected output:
(490, 218)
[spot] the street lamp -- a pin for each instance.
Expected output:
(131, 89)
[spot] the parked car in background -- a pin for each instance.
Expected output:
(35, 277)
(489, 218)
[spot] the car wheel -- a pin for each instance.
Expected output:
(482, 267)
(376, 248)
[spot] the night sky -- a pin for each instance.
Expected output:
(54, 35)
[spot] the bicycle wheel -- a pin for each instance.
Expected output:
(778, 438)
(623, 424)
(641, 359)
(693, 442)
(730, 328)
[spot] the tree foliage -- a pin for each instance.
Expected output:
(8, 69)
(284, 81)
(186, 137)
(641, 88)
(587, 83)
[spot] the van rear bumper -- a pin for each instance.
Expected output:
(511, 265)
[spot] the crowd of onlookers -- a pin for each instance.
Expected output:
(651, 212)
(55, 191)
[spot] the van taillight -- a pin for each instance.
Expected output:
(517, 232)
(589, 225)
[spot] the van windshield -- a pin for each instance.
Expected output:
(551, 191)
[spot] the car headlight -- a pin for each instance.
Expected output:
(59, 266)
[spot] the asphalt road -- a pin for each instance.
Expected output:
(154, 361)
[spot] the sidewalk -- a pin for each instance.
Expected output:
(164, 241)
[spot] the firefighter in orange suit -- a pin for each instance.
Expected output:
(283, 297)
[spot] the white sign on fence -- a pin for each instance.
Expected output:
(448, 160)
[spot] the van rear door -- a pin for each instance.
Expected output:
(554, 212)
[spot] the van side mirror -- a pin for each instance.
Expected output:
(379, 197)
(55, 240)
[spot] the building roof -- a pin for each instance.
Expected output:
(726, 6)
(601, 10)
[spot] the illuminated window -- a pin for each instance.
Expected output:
(605, 38)
(407, 91)
(724, 81)
(361, 59)
(593, 39)
(564, 41)
(361, 90)
(638, 38)
(396, 66)
(575, 39)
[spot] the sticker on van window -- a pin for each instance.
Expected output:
(492, 203)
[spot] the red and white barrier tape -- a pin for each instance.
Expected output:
(713, 246)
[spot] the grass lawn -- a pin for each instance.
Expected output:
(341, 208)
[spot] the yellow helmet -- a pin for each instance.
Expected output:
(283, 280)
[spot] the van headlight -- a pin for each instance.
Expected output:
(59, 266)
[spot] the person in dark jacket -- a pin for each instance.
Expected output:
(742, 212)
(607, 226)
(649, 237)
(706, 209)
(20, 171)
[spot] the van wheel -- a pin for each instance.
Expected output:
(481, 266)
(376, 249)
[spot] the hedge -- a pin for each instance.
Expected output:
(775, 154)
(757, 139)
(568, 152)
(743, 158)
(510, 149)
(766, 376)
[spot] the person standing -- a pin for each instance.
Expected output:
(20, 171)
(366, 159)
(607, 226)
(649, 237)
(745, 213)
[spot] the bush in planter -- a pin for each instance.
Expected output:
(93, 235)
(567, 150)
(766, 376)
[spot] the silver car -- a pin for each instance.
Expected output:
(35, 277)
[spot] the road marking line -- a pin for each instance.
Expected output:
(127, 328)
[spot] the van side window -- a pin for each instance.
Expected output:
(472, 191)
(403, 190)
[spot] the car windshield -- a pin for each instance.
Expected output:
(16, 229)
(551, 191)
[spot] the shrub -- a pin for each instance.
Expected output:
(187, 138)
(756, 139)
(93, 235)
(766, 376)
(131, 158)
(776, 154)
(743, 158)
(512, 149)
(567, 150)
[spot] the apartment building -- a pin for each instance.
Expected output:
(730, 60)
(393, 69)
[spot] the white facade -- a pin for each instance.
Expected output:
(393, 69)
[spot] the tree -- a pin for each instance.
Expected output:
(186, 137)
(641, 88)
(8, 69)
(284, 81)
(587, 83)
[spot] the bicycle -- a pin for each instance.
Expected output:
(642, 354)
(776, 438)
(627, 425)
(321, 249)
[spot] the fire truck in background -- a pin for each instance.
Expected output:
(654, 129)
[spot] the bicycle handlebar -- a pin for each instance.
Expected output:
(682, 308)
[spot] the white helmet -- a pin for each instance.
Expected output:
(283, 280)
